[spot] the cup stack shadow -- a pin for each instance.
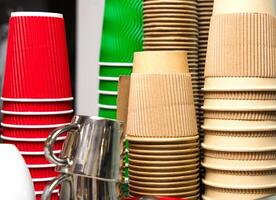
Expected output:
(240, 101)
(161, 127)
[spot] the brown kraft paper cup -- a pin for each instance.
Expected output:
(241, 45)
(161, 105)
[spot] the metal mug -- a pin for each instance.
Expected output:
(92, 148)
(82, 188)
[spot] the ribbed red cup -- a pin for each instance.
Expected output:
(39, 186)
(37, 59)
(33, 146)
(33, 134)
(43, 172)
(54, 196)
(36, 160)
(37, 106)
(36, 119)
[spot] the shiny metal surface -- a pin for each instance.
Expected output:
(92, 148)
(82, 188)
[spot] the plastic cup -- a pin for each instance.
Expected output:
(107, 113)
(39, 69)
(108, 99)
(40, 171)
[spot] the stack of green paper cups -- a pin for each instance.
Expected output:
(122, 35)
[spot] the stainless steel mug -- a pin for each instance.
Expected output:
(92, 148)
(82, 188)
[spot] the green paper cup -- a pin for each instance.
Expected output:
(108, 99)
(115, 71)
(122, 30)
(107, 113)
(108, 85)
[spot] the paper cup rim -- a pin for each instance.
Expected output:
(39, 166)
(33, 126)
(29, 139)
(36, 14)
(237, 186)
(215, 148)
(148, 139)
(41, 192)
(215, 167)
(108, 78)
(37, 113)
(42, 100)
(35, 180)
(113, 93)
(109, 107)
(37, 153)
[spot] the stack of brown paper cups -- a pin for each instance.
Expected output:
(161, 127)
(173, 25)
(240, 101)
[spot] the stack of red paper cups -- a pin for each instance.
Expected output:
(37, 95)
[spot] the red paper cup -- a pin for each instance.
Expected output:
(25, 134)
(36, 119)
(54, 196)
(37, 106)
(38, 159)
(33, 146)
(40, 185)
(37, 59)
(39, 171)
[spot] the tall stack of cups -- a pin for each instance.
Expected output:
(240, 101)
(161, 127)
(37, 90)
(173, 25)
(121, 37)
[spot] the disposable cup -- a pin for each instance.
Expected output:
(192, 176)
(171, 194)
(107, 113)
(163, 157)
(247, 180)
(186, 159)
(160, 61)
(233, 140)
(37, 113)
(239, 105)
(36, 159)
(41, 172)
(162, 147)
(212, 193)
(162, 152)
(37, 106)
(240, 84)
(32, 146)
(36, 119)
(247, 6)
(164, 184)
(27, 134)
(238, 125)
(40, 71)
(261, 95)
(157, 169)
(174, 189)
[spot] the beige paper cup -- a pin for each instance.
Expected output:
(212, 193)
(247, 180)
(163, 152)
(168, 189)
(168, 15)
(232, 84)
(151, 163)
(190, 194)
(244, 6)
(164, 184)
(258, 141)
(238, 125)
(160, 62)
(261, 95)
(162, 147)
(150, 110)
(239, 105)
(246, 58)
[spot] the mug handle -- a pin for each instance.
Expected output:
(49, 144)
(47, 193)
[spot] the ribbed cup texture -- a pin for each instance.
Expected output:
(37, 61)
(161, 105)
(262, 95)
(241, 45)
